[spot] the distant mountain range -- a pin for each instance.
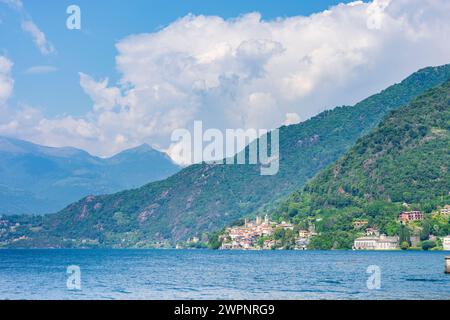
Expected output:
(35, 179)
(203, 198)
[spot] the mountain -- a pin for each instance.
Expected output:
(405, 159)
(36, 179)
(203, 197)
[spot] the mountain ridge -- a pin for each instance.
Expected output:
(38, 179)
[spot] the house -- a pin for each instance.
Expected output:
(446, 243)
(446, 210)
(303, 233)
(372, 232)
(193, 240)
(286, 226)
(226, 246)
(407, 216)
(359, 224)
(381, 242)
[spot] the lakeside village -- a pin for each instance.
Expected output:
(263, 234)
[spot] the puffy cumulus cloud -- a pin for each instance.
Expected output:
(27, 122)
(250, 73)
(6, 81)
(104, 97)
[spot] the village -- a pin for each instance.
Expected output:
(260, 234)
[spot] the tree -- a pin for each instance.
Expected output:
(214, 241)
(404, 245)
(279, 233)
(404, 235)
(426, 231)
(428, 244)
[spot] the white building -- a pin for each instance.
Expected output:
(382, 242)
(446, 243)
(365, 243)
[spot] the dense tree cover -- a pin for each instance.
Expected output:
(404, 160)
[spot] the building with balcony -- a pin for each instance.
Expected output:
(408, 216)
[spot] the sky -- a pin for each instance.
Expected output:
(138, 70)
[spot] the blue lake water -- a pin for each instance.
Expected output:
(204, 274)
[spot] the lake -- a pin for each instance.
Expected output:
(205, 274)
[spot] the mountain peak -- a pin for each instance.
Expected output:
(143, 147)
(17, 146)
(50, 178)
(140, 149)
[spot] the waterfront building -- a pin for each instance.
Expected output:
(365, 243)
(381, 242)
(446, 243)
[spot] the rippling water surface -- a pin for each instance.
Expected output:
(204, 274)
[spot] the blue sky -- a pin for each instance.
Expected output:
(138, 70)
(92, 49)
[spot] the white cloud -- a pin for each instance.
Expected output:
(104, 97)
(39, 38)
(291, 118)
(27, 24)
(41, 69)
(179, 153)
(246, 72)
(15, 4)
(6, 81)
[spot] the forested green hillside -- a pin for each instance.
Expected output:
(405, 159)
